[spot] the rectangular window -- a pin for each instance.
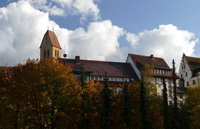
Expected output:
(187, 83)
(194, 82)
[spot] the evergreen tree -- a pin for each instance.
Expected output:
(127, 108)
(106, 97)
(175, 113)
(86, 101)
(165, 106)
(143, 106)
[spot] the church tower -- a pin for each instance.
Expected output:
(50, 47)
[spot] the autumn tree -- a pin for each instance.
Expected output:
(6, 111)
(42, 94)
(60, 92)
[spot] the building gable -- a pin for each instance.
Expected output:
(140, 61)
(50, 38)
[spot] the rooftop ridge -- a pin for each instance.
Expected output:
(145, 56)
(95, 60)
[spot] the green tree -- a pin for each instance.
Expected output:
(193, 106)
(143, 106)
(127, 106)
(86, 101)
(175, 123)
(151, 102)
(165, 106)
(106, 109)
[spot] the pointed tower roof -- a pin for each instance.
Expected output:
(53, 38)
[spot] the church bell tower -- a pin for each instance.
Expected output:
(50, 47)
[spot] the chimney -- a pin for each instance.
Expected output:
(151, 56)
(77, 59)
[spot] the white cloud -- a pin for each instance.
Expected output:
(98, 42)
(85, 8)
(21, 28)
(167, 42)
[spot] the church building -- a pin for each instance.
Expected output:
(116, 72)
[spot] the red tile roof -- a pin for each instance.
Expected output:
(53, 38)
(158, 63)
(99, 68)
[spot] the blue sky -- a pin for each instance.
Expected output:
(100, 29)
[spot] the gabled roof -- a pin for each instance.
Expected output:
(53, 38)
(157, 63)
(99, 68)
(193, 62)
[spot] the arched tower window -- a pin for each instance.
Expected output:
(48, 53)
(44, 53)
